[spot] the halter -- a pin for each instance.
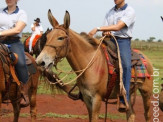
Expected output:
(58, 49)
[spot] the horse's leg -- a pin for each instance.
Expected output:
(93, 105)
(32, 95)
(14, 94)
(0, 106)
(146, 92)
(33, 109)
(16, 108)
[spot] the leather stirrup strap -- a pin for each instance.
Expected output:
(16, 59)
(14, 75)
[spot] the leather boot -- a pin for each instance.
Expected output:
(24, 92)
(122, 107)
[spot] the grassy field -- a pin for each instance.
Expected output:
(153, 50)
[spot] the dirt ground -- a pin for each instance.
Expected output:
(61, 104)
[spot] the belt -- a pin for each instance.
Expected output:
(117, 37)
(10, 39)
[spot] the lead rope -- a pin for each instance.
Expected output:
(122, 88)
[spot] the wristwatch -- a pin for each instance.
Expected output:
(98, 28)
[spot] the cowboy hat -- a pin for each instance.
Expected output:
(37, 20)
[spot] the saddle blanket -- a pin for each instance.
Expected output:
(141, 70)
(33, 42)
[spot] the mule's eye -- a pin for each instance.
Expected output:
(61, 38)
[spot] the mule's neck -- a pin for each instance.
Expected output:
(81, 51)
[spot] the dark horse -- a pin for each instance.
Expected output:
(38, 46)
(9, 85)
(64, 42)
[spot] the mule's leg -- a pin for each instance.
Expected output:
(33, 109)
(16, 108)
(93, 106)
(88, 103)
(146, 100)
(96, 108)
(146, 92)
(130, 114)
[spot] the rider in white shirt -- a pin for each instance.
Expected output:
(37, 29)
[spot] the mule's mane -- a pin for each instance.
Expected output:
(90, 39)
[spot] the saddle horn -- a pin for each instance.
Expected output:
(52, 20)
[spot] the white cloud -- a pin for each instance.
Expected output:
(146, 2)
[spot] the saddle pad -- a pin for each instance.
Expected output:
(111, 71)
(141, 70)
(33, 42)
(30, 66)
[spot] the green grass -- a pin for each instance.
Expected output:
(156, 58)
(120, 116)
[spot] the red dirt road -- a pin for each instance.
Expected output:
(61, 104)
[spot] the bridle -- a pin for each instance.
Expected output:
(58, 49)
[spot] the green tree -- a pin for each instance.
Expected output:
(137, 40)
(159, 40)
(151, 39)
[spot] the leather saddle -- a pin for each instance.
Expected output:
(9, 60)
(111, 48)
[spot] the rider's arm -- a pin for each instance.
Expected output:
(20, 25)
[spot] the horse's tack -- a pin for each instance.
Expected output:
(4, 53)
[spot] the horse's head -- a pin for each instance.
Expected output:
(56, 46)
(43, 39)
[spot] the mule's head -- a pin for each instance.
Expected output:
(57, 43)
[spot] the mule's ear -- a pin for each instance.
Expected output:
(67, 20)
(52, 20)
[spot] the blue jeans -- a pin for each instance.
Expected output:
(125, 53)
(21, 67)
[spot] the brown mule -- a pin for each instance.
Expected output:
(64, 42)
(9, 86)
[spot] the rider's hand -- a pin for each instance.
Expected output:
(106, 33)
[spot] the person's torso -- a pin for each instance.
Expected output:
(8, 21)
(38, 30)
(116, 15)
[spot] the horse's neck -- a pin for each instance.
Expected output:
(81, 51)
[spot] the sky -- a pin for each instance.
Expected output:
(88, 14)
